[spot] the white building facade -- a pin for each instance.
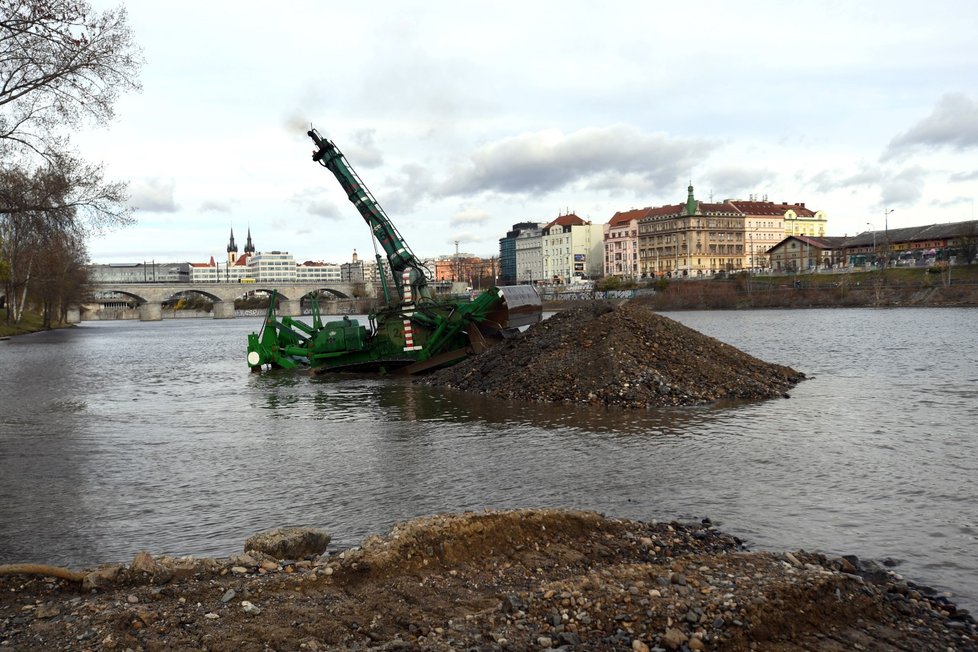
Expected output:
(529, 256)
(573, 249)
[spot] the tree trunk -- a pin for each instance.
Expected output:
(23, 294)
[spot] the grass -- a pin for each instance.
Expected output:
(896, 276)
(30, 322)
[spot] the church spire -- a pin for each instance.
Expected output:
(232, 249)
(249, 248)
(691, 202)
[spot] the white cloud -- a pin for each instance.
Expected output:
(953, 123)
(964, 176)
(216, 206)
(322, 208)
(733, 181)
(550, 161)
(153, 195)
(469, 216)
(904, 187)
(828, 180)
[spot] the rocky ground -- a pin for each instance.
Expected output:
(516, 580)
(625, 355)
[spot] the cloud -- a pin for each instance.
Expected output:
(469, 216)
(953, 202)
(215, 205)
(903, 188)
(828, 180)
(322, 208)
(470, 237)
(964, 176)
(405, 190)
(733, 181)
(363, 152)
(153, 195)
(953, 123)
(609, 158)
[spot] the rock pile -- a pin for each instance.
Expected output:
(625, 356)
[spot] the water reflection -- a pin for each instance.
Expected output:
(401, 399)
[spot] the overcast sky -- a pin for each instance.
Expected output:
(464, 118)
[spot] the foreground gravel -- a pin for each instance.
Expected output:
(513, 580)
(627, 355)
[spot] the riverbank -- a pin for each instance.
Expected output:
(30, 322)
(890, 288)
(513, 580)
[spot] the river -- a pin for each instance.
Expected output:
(122, 436)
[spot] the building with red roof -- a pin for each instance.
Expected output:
(572, 249)
(705, 238)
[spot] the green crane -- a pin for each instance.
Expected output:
(416, 333)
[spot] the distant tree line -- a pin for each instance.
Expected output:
(62, 66)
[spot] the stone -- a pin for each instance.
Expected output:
(228, 596)
(696, 644)
(511, 604)
(249, 608)
(639, 646)
(674, 638)
(101, 578)
(143, 562)
(47, 611)
(568, 638)
(289, 542)
(677, 578)
(147, 617)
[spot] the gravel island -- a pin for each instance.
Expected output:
(627, 356)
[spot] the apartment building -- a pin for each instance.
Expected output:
(621, 244)
(572, 249)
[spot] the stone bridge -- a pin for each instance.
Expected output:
(150, 296)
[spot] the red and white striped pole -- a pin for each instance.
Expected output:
(408, 312)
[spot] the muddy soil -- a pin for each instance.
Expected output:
(622, 355)
(514, 580)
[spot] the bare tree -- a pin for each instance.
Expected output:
(33, 213)
(61, 63)
(62, 276)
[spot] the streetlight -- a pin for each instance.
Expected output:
(886, 234)
(873, 229)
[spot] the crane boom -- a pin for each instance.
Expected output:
(399, 256)
(419, 333)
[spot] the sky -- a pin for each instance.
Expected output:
(464, 118)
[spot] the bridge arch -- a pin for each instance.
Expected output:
(150, 296)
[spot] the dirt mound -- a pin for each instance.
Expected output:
(607, 355)
(512, 580)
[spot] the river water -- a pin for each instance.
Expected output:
(121, 436)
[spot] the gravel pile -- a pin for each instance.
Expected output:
(625, 355)
(493, 581)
